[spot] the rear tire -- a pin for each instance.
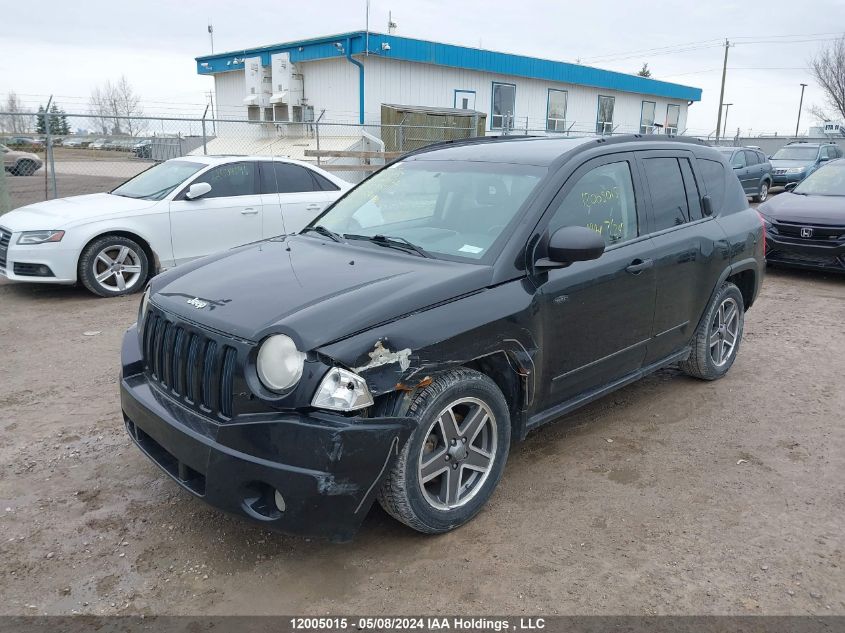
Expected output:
(716, 342)
(764, 192)
(112, 266)
(455, 457)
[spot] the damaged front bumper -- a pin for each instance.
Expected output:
(312, 474)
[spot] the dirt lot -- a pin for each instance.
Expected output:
(715, 498)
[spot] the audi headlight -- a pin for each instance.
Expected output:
(40, 237)
(795, 170)
(279, 364)
(342, 390)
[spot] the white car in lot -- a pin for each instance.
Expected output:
(173, 212)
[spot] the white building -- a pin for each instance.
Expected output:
(350, 75)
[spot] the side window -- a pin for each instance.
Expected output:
(750, 157)
(761, 158)
(234, 179)
(713, 174)
(827, 152)
(277, 177)
(693, 193)
(602, 200)
(668, 194)
(324, 183)
(738, 160)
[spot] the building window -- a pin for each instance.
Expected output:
(465, 99)
(673, 114)
(604, 120)
(504, 102)
(647, 117)
(556, 111)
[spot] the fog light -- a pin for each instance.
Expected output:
(280, 501)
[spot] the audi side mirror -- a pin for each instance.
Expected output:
(790, 186)
(197, 190)
(572, 244)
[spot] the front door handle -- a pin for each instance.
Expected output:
(249, 211)
(314, 207)
(639, 265)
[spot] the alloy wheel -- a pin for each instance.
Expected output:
(117, 268)
(458, 454)
(724, 332)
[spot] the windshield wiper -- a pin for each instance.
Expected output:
(322, 231)
(399, 243)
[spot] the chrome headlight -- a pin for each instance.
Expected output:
(40, 237)
(342, 390)
(279, 363)
(795, 170)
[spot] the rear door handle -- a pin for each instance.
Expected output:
(639, 265)
(249, 211)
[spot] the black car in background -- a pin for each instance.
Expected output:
(805, 225)
(439, 311)
(793, 162)
(752, 168)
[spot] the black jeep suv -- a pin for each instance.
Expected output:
(439, 311)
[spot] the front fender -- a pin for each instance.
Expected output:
(402, 354)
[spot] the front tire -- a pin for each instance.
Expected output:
(112, 266)
(453, 461)
(25, 168)
(717, 339)
(764, 192)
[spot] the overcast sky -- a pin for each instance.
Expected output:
(67, 48)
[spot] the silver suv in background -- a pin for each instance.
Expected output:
(752, 168)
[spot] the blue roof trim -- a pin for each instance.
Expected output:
(426, 52)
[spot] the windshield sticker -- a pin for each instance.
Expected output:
(468, 248)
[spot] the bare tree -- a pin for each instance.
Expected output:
(18, 119)
(828, 67)
(116, 108)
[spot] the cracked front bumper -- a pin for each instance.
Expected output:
(313, 474)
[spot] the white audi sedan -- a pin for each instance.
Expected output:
(171, 213)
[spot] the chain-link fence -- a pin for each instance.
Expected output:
(101, 153)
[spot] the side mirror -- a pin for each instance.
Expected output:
(790, 186)
(823, 158)
(572, 244)
(197, 190)
(707, 206)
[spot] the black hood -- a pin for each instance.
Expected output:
(793, 207)
(313, 290)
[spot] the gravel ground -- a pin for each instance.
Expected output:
(669, 496)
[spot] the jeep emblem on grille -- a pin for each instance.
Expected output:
(198, 303)
(806, 232)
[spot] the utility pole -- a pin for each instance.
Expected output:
(727, 109)
(722, 91)
(800, 103)
(211, 36)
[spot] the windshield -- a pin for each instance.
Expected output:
(453, 208)
(796, 153)
(159, 180)
(827, 181)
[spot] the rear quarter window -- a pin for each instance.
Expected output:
(722, 185)
(713, 177)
